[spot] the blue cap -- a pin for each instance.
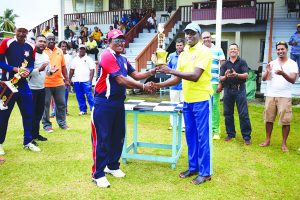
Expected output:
(194, 27)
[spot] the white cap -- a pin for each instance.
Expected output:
(82, 46)
(23, 24)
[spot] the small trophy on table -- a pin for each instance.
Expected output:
(10, 87)
(160, 57)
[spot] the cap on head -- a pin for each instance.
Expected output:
(298, 25)
(194, 27)
(49, 35)
(82, 46)
(22, 25)
(114, 34)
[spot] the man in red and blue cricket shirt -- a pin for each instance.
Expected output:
(13, 52)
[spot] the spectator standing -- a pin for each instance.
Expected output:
(218, 59)
(68, 58)
(92, 47)
(36, 81)
(13, 53)
(233, 75)
(55, 86)
(31, 35)
(83, 68)
(176, 94)
(295, 50)
(280, 75)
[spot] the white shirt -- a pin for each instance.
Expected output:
(150, 20)
(82, 67)
(36, 79)
(31, 37)
(279, 86)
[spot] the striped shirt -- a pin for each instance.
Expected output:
(217, 56)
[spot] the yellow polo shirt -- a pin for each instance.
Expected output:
(96, 35)
(196, 56)
(56, 59)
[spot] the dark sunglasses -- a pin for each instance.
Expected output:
(51, 39)
(116, 40)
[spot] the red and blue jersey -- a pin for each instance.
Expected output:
(13, 54)
(110, 66)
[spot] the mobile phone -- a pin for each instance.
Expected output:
(231, 71)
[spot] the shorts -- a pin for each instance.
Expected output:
(280, 105)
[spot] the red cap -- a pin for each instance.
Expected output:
(114, 34)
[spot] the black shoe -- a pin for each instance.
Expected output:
(247, 142)
(187, 173)
(228, 139)
(41, 138)
(34, 142)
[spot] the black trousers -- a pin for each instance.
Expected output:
(38, 97)
(93, 51)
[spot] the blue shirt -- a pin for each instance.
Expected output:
(13, 54)
(295, 38)
(172, 63)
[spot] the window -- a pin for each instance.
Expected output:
(135, 4)
(89, 6)
(261, 50)
(98, 5)
(147, 3)
(159, 5)
(80, 6)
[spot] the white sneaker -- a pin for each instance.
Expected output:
(2, 152)
(102, 182)
(116, 173)
(216, 137)
(32, 147)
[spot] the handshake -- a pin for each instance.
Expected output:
(151, 87)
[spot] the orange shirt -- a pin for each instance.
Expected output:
(56, 59)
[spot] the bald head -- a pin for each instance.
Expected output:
(206, 37)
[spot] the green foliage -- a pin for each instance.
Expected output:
(296, 101)
(7, 21)
(63, 169)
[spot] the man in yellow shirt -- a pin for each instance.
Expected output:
(97, 34)
(92, 47)
(194, 67)
(46, 31)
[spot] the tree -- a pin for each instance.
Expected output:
(7, 21)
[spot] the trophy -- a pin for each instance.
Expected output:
(10, 87)
(160, 57)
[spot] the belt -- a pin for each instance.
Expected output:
(236, 86)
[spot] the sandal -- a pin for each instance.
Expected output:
(186, 174)
(201, 179)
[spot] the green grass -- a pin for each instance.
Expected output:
(63, 169)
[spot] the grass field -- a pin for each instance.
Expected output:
(63, 169)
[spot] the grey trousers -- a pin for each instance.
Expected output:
(58, 94)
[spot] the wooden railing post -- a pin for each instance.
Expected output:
(145, 55)
(271, 34)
